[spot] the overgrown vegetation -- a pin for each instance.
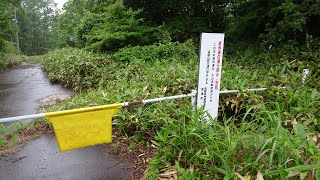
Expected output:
(8, 56)
(11, 134)
(147, 49)
(258, 141)
(81, 69)
(8, 60)
(123, 28)
(273, 132)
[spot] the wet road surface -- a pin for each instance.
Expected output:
(41, 159)
(20, 89)
(22, 86)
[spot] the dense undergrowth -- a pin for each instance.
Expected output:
(273, 132)
(9, 60)
(8, 57)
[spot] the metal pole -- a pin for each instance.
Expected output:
(185, 95)
(17, 118)
(237, 91)
(156, 99)
(35, 116)
(194, 99)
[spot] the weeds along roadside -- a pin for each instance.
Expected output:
(225, 148)
(12, 134)
(267, 131)
(9, 60)
(9, 57)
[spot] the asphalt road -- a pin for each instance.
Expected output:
(22, 86)
(41, 159)
(20, 89)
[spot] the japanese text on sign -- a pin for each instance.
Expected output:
(210, 72)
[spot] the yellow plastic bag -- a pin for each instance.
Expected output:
(83, 127)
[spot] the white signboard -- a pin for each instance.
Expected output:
(210, 66)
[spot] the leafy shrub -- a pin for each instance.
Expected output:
(8, 60)
(8, 47)
(76, 68)
(118, 81)
(170, 51)
(268, 131)
(81, 69)
(115, 28)
(8, 55)
(220, 150)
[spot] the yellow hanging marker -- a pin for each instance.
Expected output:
(83, 127)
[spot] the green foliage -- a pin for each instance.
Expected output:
(113, 29)
(248, 18)
(272, 132)
(125, 79)
(275, 22)
(184, 19)
(9, 47)
(8, 56)
(35, 21)
(3, 139)
(10, 134)
(169, 51)
(81, 69)
(293, 22)
(6, 24)
(76, 68)
(221, 149)
(105, 26)
(68, 20)
(9, 60)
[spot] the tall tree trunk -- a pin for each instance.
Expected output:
(122, 3)
(17, 31)
(308, 41)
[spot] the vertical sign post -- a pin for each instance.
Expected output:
(304, 75)
(211, 52)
